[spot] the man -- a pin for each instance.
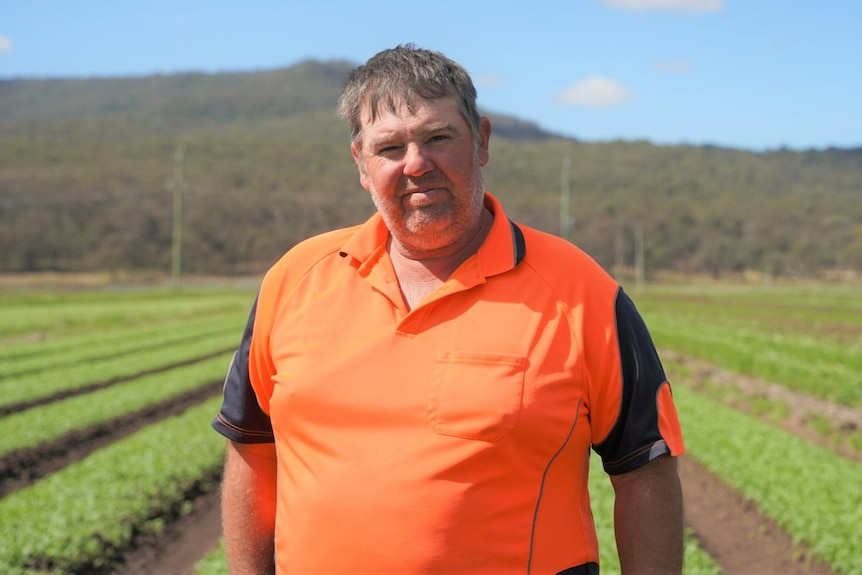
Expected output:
(420, 393)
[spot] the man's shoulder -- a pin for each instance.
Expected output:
(311, 250)
(566, 268)
(543, 248)
(304, 256)
(325, 243)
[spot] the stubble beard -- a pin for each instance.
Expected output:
(440, 224)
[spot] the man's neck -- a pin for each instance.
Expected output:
(418, 277)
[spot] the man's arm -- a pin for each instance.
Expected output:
(648, 518)
(248, 508)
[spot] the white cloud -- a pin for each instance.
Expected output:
(674, 66)
(595, 92)
(5, 44)
(678, 5)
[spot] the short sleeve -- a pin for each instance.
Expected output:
(647, 424)
(240, 418)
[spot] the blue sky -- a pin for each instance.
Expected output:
(750, 74)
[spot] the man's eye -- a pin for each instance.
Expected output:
(387, 149)
(438, 138)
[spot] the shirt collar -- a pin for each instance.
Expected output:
(502, 250)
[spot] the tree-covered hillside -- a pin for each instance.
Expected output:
(88, 168)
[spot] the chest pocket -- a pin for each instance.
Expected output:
(477, 395)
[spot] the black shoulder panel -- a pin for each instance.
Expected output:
(635, 438)
(241, 418)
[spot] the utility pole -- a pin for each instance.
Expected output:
(565, 199)
(619, 258)
(178, 185)
(640, 275)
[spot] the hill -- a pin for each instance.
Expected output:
(88, 168)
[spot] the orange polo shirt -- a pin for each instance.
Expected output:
(454, 437)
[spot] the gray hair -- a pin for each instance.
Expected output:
(405, 75)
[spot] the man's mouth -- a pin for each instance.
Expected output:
(423, 196)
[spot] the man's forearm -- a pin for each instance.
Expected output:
(648, 518)
(248, 508)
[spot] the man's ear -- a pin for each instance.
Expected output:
(484, 144)
(356, 151)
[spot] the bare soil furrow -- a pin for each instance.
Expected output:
(182, 544)
(824, 423)
(740, 538)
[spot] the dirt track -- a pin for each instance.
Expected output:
(731, 529)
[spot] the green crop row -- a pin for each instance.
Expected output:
(43, 384)
(822, 369)
(34, 357)
(808, 342)
(34, 426)
(214, 562)
(811, 492)
(806, 306)
(827, 314)
(41, 315)
(80, 518)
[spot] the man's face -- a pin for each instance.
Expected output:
(424, 175)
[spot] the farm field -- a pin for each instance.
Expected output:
(104, 436)
(106, 398)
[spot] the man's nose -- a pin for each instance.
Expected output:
(416, 160)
